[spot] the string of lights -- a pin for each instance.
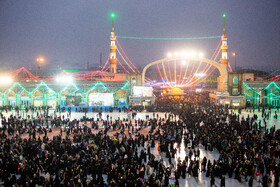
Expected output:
(148, 79)
(186, 70)
(229, 67)
(28, 75)
(180, 73)
(122, 66)
(207, 75)
(164, 72)
(186, 80)
(107, 68)
(160, 74)
(148, 38)
(217, 54)
(169, 72)
(125, 60)
(119, 45)
(105, 64)
(218, 47)
(271, 74)
(190, 81)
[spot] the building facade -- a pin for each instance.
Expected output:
(53, 94)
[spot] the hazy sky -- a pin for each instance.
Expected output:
(70, 33)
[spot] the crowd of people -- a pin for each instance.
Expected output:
(141, 152)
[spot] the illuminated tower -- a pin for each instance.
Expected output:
(113, 47)
(224, 47)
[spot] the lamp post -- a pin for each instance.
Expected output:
(40, 61)
(234, 54)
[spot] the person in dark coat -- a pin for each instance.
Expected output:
(212, 181)
(250, 183)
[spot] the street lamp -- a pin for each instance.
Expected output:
(40, 61)
(234, 54)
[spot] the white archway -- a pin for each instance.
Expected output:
(222, 84)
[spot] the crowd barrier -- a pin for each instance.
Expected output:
(93, 108)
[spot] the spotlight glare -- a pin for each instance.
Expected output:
(62, 79)
(193, 54)
(169, 55)
(6, 80)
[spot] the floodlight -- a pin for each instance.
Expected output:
(169, 55)
(5, 80)
(62, 79)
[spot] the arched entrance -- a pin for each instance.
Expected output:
(12, 98)
(24, 99)
(120, 97)
(38, 99)
(223, 79)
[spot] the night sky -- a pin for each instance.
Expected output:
(70, 33)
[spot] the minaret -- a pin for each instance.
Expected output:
(113, 47)
(224, 47)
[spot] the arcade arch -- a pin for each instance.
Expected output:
(223, 79)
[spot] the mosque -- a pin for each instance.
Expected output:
(73, 88)
(108, 87)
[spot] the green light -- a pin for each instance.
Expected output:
(69, 86)
(98, 84)
(113, 15)
(248, 87)
(42, 84)
(146, 38)
(125, 85)
(19, 85)
(224, 15)
(271, 73)
(272, 84)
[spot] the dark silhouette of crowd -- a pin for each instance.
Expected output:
(248, 150)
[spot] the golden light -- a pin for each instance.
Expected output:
(40, 60)
(234, 54)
